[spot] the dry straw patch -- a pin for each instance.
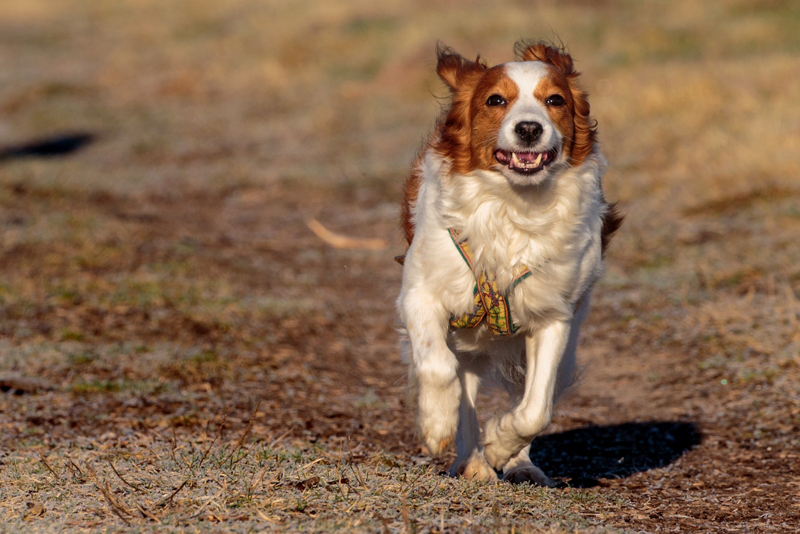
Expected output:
(148, 482)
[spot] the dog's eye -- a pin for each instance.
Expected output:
(496, 100)
(555, 100)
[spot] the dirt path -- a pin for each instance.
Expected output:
(282, 321)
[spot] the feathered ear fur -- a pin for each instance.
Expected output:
(542, 51)
(455, 127)
(585, 132)
(458, 73)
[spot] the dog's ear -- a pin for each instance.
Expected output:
(457, 72)
(585, 133)
(542, 51)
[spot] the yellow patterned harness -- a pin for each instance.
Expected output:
(490, 303)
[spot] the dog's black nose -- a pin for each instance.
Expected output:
(529, 131)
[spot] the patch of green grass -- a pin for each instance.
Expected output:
(83, 358)
(360, 26)
(69, 295)
(670, 44)
(140, 294)
(757, 376)
(205, 356)
(718, 361)
(97, 386)
(115, 386)
(283, 307)
(659, 261)
(72, 335)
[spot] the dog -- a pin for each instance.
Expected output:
(506, 225)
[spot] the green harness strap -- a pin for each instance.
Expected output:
(490, 303)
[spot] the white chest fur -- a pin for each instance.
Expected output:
(553, 229)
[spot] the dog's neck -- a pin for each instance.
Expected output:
(507, 226)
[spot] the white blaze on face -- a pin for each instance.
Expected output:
(527, 108)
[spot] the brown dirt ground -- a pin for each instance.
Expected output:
(684, 451)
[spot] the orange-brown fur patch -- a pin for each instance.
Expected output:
(486, 120)
(562, 116)
(580, 145)
(453, 134)
(410, 194)
(455, 128)
(612, 220)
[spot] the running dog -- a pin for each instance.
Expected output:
(506, 224)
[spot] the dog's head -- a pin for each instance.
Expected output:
(527, 119)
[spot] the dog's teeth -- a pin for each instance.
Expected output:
(538, 160)
(515, 160)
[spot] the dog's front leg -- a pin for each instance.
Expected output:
(470, 462)
(504, 437)
(433, 369)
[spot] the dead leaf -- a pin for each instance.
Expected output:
(35, 509)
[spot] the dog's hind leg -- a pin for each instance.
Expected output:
(470, 462)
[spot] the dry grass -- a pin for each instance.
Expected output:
(162, 279)
(171, 484)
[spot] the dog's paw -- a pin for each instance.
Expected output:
(438, 431)
(438, 417)
(437, 446)
(474, 468)
(499, 443)
(528, 473)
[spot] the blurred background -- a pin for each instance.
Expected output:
(194, 92)
(696, 102)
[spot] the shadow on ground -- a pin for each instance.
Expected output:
(580, 457)
(53, 146)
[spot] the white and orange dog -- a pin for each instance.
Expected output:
(506, 224)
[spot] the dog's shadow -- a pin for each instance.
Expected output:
(579, 458)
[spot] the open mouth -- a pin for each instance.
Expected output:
(525, 162)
